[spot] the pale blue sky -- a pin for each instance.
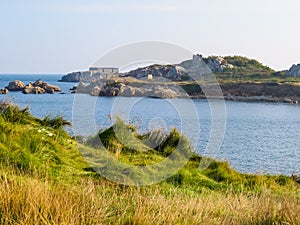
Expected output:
(63, 36)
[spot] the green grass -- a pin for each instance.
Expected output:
(44, 179)
(36, 145)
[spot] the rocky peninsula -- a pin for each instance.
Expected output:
(240, 78)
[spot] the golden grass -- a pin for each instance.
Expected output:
(25, 200)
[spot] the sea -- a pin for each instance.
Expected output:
(254, 137)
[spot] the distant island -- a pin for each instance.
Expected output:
(240, 79)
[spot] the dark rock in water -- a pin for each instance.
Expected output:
(38, 87)
(85, 76)
(4, 91)
(15, 86)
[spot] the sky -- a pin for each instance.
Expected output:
(57, 37)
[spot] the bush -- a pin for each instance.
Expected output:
(13, 114)
(56, 122)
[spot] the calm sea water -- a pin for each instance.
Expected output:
(259, 137)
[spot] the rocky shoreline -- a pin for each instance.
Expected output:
(244, 92)
(247, 92)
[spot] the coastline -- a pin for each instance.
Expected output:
(253, 99)
(245, 92)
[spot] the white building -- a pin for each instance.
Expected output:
(104, 70)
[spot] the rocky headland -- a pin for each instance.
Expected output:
(177, 72)
(174, 81)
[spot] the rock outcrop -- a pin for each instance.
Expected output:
(15, 86)
(294, 71)
(179, 72)
(170, 72)
(38, 87)
(215, 63)
(85, 76)
(137, 89)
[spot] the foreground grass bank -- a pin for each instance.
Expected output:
(45, 180)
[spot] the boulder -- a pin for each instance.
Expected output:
(96, 91)
(38, 83)
(50, 88)
(294, 71)
(15, 86)
(33, 90)
(215, 65)
(4, 91)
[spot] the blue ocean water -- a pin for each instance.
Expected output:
(259, 137)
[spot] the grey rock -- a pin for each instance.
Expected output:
(294, 71)
(85, 76)
(170, 72)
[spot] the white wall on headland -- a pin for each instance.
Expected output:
(104, 70)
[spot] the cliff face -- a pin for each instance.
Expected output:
(85, 76)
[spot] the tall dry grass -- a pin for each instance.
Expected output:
(25, 200)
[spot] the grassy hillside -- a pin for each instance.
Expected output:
(45, 180)
(250, 70)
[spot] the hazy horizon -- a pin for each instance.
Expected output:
(55, 37)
